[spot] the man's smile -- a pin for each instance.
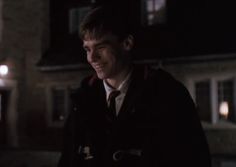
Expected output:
(99, 66)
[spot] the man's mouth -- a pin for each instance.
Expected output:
(98, 66)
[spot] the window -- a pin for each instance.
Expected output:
(65, 17)
(215, 100)
(75, 17)
(60, 103)
(225, 100)
(154, 12)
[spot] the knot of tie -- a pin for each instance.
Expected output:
(113, 95)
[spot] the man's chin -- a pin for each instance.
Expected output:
(101, 75)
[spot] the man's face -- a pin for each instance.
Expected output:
(106, 55)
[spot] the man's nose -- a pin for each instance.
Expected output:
(93, 56)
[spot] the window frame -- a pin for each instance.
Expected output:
(214, 78)
(145, 13)
(68, 88)
(60, 36)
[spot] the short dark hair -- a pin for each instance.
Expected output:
(105, 19)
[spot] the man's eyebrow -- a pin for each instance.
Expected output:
(102, 42)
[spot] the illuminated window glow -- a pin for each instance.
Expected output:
(224, 109)
(155, 11)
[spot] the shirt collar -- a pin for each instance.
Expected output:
(123, 87)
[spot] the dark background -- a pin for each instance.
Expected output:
(192, 27)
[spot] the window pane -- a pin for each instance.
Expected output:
(73, 20)
(203, 100)
(150, 19)
(154, 12)
(159, 4)
(225, 100)
(58, 104)
(150, 6)
(72, 91)
(75, 17)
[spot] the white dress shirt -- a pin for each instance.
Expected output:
(123, 87)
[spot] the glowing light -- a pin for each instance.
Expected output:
(224, 109)
(3, 70)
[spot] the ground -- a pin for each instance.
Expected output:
(27, 158)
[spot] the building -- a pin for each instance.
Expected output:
(210, 80)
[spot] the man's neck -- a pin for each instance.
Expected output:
(117, 80)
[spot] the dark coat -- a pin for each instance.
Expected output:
(157, 126)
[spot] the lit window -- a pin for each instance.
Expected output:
(215, 100)
(225, 100)
(154, 11)
(224, 110)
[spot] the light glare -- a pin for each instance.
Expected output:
(224, 109)
(3, 70)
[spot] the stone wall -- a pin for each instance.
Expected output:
(25, 38)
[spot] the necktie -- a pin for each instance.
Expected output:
(112, 103)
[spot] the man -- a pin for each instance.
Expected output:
(127, 115)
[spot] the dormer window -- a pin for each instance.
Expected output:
(154, 12)
(75, 17)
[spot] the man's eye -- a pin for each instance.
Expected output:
(87, 50)
(100, 47)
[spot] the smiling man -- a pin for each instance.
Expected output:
(109, 56)
(127, 115)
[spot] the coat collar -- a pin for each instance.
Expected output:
(137, 84)
(134, 92)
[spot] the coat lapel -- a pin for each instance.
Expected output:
(133, 93)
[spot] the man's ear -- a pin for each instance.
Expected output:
(128, 43)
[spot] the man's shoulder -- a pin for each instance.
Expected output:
(87, 85)
(158, 75)
(90, 81)
(162, 79)
(161, 73)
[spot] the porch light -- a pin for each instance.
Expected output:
(3, 70)
(224, 109)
